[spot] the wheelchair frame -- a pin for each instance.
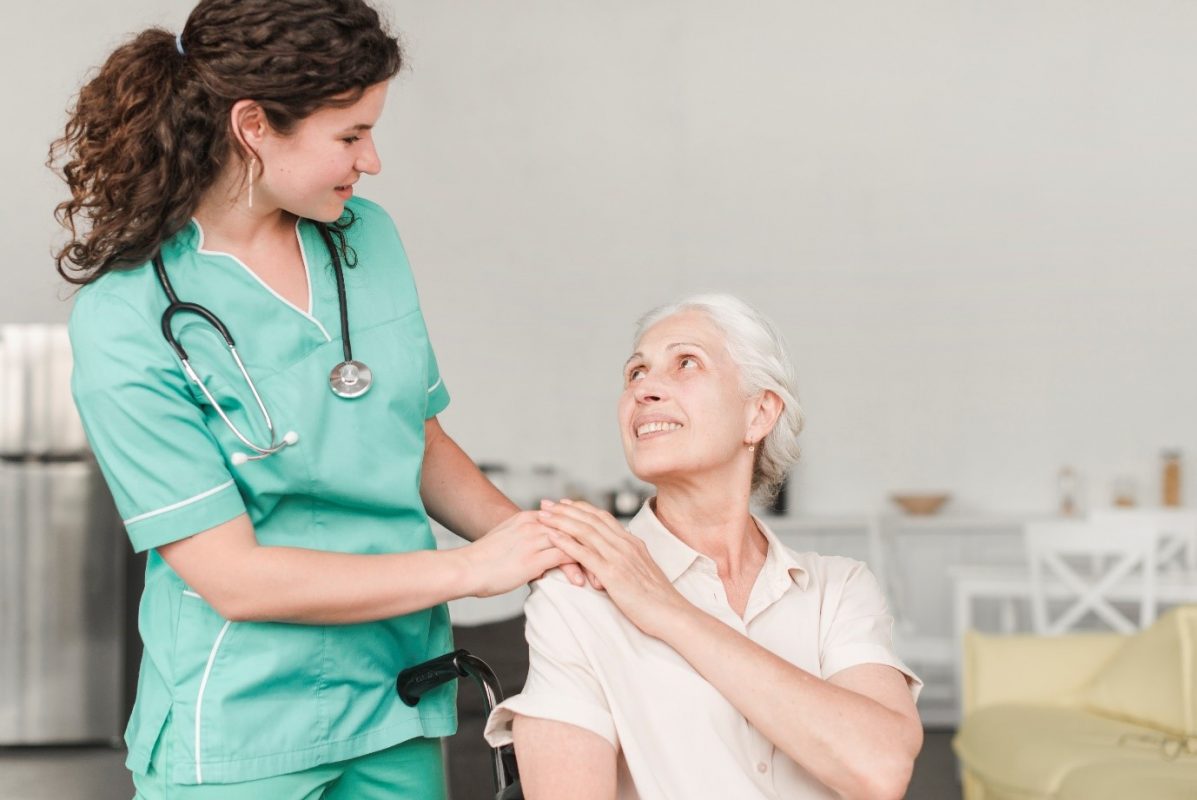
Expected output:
(414, 682)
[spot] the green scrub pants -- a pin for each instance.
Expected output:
(411, 770)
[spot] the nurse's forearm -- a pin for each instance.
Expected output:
(321, 588)
(244, 580)
(455, 492)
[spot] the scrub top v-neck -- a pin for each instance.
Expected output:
(244, 700)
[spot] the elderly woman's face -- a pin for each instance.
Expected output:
(682, 411)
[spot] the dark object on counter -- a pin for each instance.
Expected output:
(625, 501)
(780, 500)
(414, 682)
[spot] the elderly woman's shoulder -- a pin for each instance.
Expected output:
(555, 600)
(831, 570)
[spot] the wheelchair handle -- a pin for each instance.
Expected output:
(415, 682)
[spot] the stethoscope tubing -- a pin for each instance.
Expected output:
(175, 306)
(342, 301)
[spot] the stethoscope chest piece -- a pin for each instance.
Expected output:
(350, 379)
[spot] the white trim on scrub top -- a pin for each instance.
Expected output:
(199, 699)
(307, 274)
(180, 504)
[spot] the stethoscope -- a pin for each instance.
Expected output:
(348, 379)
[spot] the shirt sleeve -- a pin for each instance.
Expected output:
(561, 683)
(164, 468)
(438, 395)
(861, 630)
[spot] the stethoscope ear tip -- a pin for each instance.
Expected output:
(291, 438)
(240, 459)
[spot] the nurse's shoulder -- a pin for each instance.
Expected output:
(375, 230)
(370, 212)
(132, 294)
(371, 222)
(136, 284)
(118, 316)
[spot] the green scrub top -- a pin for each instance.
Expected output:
(247, 700)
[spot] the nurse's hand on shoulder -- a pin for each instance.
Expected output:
(514, 552)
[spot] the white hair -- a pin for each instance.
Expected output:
(757, 349)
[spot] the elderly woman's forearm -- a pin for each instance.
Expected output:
(850, 742)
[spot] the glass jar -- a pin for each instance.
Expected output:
(1170, 478)
(1124, 492)
(1068, 486)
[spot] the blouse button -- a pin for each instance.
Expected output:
(762, 767)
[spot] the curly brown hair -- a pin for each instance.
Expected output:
(150, 132)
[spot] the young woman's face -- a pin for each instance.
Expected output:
(311, 171)
(682, 411)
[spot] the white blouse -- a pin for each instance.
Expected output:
(677, 738)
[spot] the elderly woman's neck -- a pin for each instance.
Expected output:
(716, 525)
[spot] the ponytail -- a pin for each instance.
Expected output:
(124, 142)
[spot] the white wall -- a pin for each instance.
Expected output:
(973, 221)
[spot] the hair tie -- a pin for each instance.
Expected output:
(179, 43)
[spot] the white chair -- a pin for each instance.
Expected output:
(1091, 567)
(1177, 529)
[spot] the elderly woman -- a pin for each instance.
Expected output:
(708, 660)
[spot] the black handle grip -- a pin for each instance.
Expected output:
(415, 682)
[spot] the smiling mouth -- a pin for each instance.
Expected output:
(657, 427)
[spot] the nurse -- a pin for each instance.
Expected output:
(291, 572)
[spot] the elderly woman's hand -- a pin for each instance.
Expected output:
(619, 560)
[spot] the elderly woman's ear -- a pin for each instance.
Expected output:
(764, 410)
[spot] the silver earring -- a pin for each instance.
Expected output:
(752, 448)
(253, 162)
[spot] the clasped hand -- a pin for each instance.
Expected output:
(619, 561)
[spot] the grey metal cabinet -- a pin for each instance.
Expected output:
(62, 557)
(62, 605)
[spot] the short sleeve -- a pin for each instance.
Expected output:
(561, 683)
(438, 395)
(861, 632)
(164, 468)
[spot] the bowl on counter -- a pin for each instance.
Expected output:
(920, 503)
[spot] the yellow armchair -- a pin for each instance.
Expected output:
(1037, 723)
